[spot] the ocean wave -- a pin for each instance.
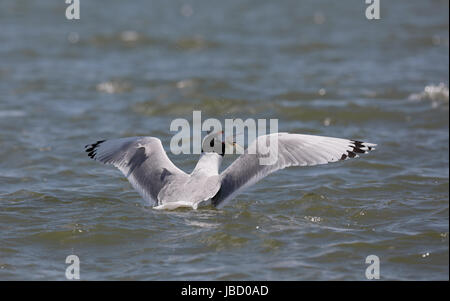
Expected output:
(12, 113)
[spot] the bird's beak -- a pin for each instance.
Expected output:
(238, 147)
(234, 145)
(218, 133)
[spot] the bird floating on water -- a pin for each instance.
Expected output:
(145, 164)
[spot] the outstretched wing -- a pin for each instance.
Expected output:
(291, 150)
(141, 159)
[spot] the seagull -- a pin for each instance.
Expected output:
(147, 167)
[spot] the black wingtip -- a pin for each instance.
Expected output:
(92, 148)
(351, 154)
(358, 147)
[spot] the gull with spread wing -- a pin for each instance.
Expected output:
(145, 164)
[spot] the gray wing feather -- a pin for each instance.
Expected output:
(293, 150)
(141, 159)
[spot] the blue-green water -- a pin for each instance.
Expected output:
(130, 68)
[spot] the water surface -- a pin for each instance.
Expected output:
(129, 69)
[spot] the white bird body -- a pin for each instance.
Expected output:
(184, 191)
(146, 165)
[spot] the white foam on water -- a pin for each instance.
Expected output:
(129, 36)
(112, 87)
(437, 94)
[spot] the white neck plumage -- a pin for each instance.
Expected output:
(208, 164)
